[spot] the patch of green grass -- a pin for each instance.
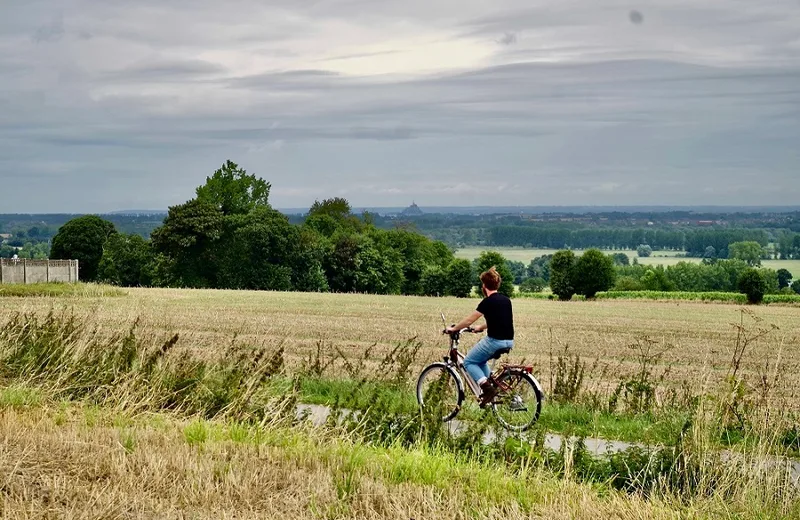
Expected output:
(19, 397)
(566, 419)
(50, 290)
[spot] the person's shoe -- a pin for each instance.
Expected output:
(488, 393)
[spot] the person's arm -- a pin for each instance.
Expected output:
(466, 322)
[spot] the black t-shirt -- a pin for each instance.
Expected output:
(499, 318)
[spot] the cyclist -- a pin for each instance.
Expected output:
(496, 308)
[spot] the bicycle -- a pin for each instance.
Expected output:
(516, 406)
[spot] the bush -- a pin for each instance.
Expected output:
(784, 278)
(532, 285)
(561, 272)
(459, 278)
(644, 251)
(593, 272)
(752, 284)
(796, 286)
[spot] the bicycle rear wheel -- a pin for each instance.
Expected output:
(440, 391)
(518, 402)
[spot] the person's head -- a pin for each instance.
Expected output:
(491, 279)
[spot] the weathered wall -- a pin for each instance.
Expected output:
(38, 271)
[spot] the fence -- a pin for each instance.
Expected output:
(37, 271)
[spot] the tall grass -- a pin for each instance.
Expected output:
(63, 357)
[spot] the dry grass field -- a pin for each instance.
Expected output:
(122, 451)
(697, 339)
(84, 463)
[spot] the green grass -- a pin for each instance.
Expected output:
(50, 290)
(566, 419)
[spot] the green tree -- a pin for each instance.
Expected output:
(593, 272)
(752, 284)
(127, 261)
(489, 259)
(540, 267)
(796, 286)
(459, 278)
(784, 278)
(434, 281)
(532, 285)
(655, 279)
(561, 272)
(187, 239)
(621, 259)
(233, 192)
(644, 250)
(83, 239)
(749, 252)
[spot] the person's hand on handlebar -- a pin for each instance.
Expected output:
(451, 329)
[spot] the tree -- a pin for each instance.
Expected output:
(784, 278)
(434, 281)
(459, 278)
(233, 192)
(644, 251)
(593, 272)
(620, 259)
(710, 253)
(532, 285)
(796, 286)
(127, 261)
(752, 284)
(561, 271)
(518, 271)
(187, 238)
(540, 267)
(83, 239)
(750, 252)
(489, 259)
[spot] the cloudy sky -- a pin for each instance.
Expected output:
(115, 104)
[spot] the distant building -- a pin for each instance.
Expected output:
(412, 211)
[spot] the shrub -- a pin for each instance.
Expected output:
(561, 267)
(532, 285)
(796, 286)
(644, 250)
(784, 278)
(593, 272)
(752, 284)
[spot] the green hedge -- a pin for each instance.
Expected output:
(727, 297)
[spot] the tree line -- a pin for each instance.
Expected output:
(229, 237)
(694, 242)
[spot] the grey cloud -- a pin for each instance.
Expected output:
(166, 70)
(508, 38)
(626, 112)
(50, 32)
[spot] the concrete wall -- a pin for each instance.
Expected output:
(38, 271)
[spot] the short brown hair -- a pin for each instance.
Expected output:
(491, 279)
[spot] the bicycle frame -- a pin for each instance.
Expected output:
(456, 359)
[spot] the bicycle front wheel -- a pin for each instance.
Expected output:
(440, 391)
(518, 402)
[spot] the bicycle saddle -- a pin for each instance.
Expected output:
(500, 352)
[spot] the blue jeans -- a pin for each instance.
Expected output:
(476, 360)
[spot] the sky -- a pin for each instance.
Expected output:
(109, 104)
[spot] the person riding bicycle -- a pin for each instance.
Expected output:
(496, 308)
